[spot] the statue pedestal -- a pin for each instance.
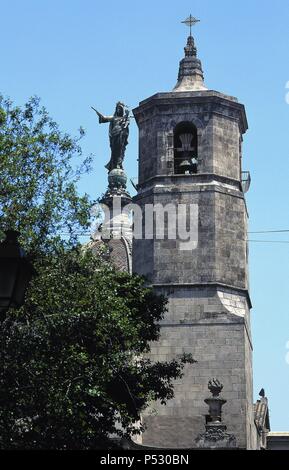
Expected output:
(216, 437)
(117, 222)
(117, 180)
(113, 238)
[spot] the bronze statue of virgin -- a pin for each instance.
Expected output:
(118, 134)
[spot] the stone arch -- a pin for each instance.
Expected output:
(172, 123)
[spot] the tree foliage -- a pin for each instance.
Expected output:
(73, 365)
(39, 169)
(73, 369)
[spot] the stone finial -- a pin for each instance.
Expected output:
(215, 436)
(215, 387)
(191, 77)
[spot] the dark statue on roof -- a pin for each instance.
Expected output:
(118, 134)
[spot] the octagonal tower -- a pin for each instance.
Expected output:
(190, 153)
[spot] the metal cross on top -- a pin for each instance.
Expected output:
(191, 21)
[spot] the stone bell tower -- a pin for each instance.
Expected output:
(190, 153)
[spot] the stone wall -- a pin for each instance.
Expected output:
(220, 253)
(212, 325)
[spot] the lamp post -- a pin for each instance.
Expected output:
(15, 272)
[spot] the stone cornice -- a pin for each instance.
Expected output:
(205, 285)
(209, 97)
(192, 179)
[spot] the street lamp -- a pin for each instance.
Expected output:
(15, 272)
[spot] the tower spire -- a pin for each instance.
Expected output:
(191, 77)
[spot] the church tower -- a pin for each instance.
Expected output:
(190, 154)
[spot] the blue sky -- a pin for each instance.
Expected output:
(78, 53)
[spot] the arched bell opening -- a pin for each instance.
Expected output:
(185, 149)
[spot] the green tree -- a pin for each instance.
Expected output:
(73, 369)
(39, 169)
(72, 360)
